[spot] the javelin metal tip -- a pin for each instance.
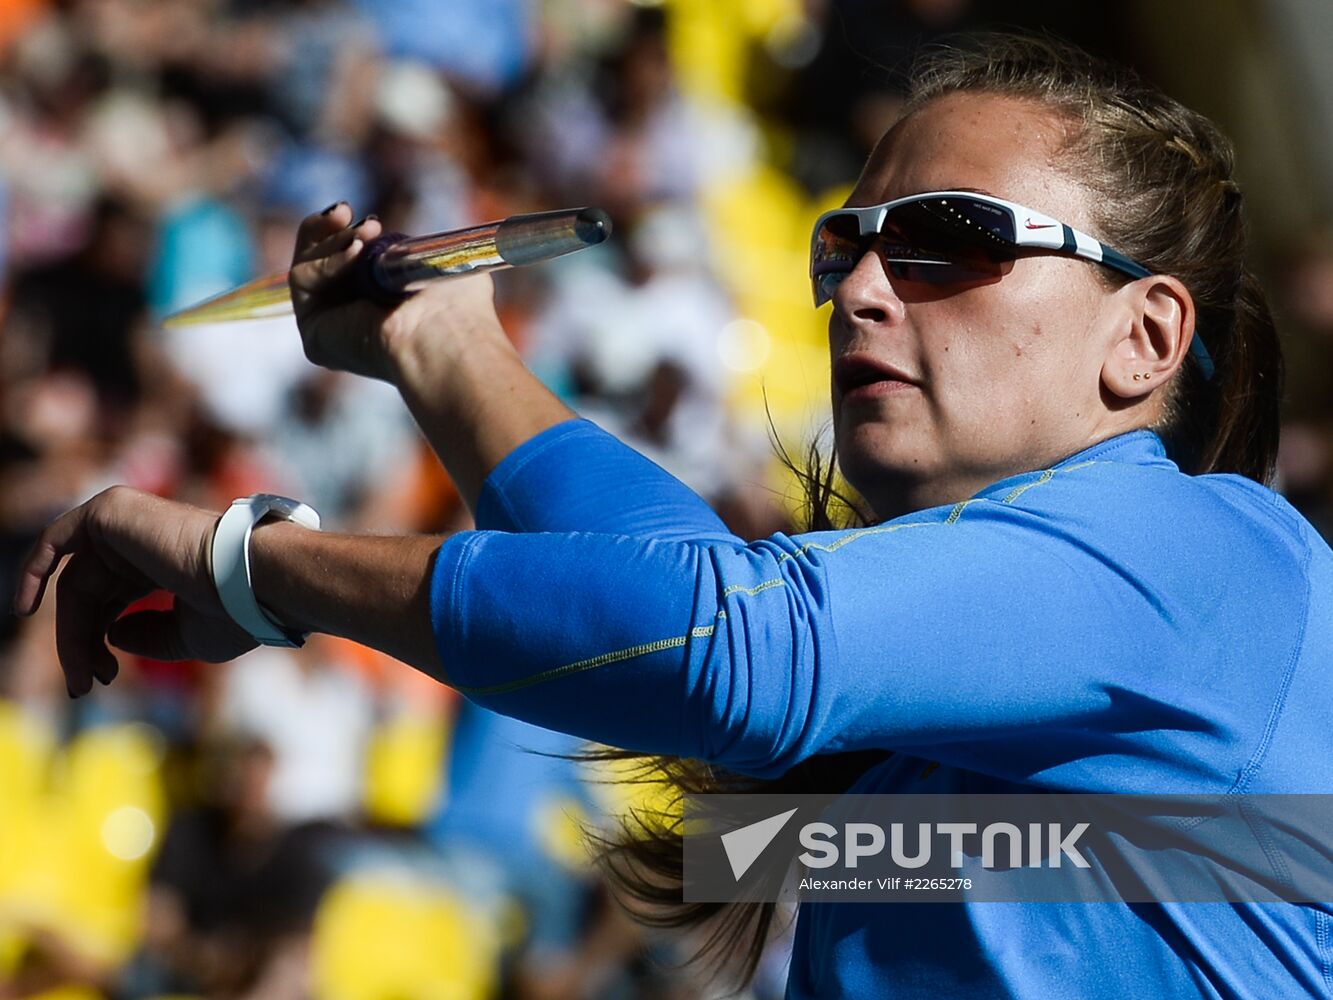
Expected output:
(592, 226)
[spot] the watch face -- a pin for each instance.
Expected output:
(286, 508)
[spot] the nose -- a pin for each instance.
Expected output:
(866, 294)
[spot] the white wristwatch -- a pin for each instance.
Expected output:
(230, 553)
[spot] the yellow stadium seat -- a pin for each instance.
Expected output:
(108, 818)
(405, 768)
(69, 993)
(710, 41)
(382, 937)
(26, 747)
(78, 832)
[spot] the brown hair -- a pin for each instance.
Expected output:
(1163, 174)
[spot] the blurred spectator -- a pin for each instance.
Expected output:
(1309, 285)
(313, 715)
(837, 107)
(621, 127)
(421, 144)
(338, 439)
(481, 43)
(233, 883)
(52, 176)
(320, 67)
(202, 246)
(15, 17)
(92, 333)
(638, 351)
(4, 221)
(1305, 300)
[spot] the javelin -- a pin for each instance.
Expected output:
(395, 265)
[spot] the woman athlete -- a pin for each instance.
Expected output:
(1055, 385)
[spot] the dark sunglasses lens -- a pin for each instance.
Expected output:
(938, 241)
(946, 241)
(838, 246)
(955, 224)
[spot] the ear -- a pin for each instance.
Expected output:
(1156, 325)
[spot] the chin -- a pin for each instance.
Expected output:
(871, 446)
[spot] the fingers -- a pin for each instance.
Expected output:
(364, 229)
(322, 262)
(88, 598)
(152, 634)
(320, 226)
(70, 532)
(61, 537)
(335, 256)
(121, 545)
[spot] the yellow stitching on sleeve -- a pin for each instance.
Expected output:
(751, 591)
(643, 649)
(852, 536)
(702, 632)
(1081, 465)
(957, 511)
(1045, 478)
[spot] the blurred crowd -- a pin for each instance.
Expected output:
(326, 822)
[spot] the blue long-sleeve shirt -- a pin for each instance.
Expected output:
(1106, 625)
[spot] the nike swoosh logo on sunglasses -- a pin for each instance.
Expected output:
(1040, 225)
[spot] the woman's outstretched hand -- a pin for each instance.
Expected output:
(344, 332)
(123, 544)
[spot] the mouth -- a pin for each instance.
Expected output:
(859, 376)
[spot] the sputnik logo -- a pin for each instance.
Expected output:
(744, 845)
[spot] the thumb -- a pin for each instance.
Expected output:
(154, 635)
(179, 634)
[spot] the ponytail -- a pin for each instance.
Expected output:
(1230, 423)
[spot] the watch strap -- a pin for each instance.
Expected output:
(230, 555)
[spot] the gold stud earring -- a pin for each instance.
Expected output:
(1137, 376)
(1147, 375)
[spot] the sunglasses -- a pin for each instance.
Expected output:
(952, 238)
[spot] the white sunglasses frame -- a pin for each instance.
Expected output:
(1037, 232)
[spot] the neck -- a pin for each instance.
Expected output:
(891, 499)
(892, 494)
